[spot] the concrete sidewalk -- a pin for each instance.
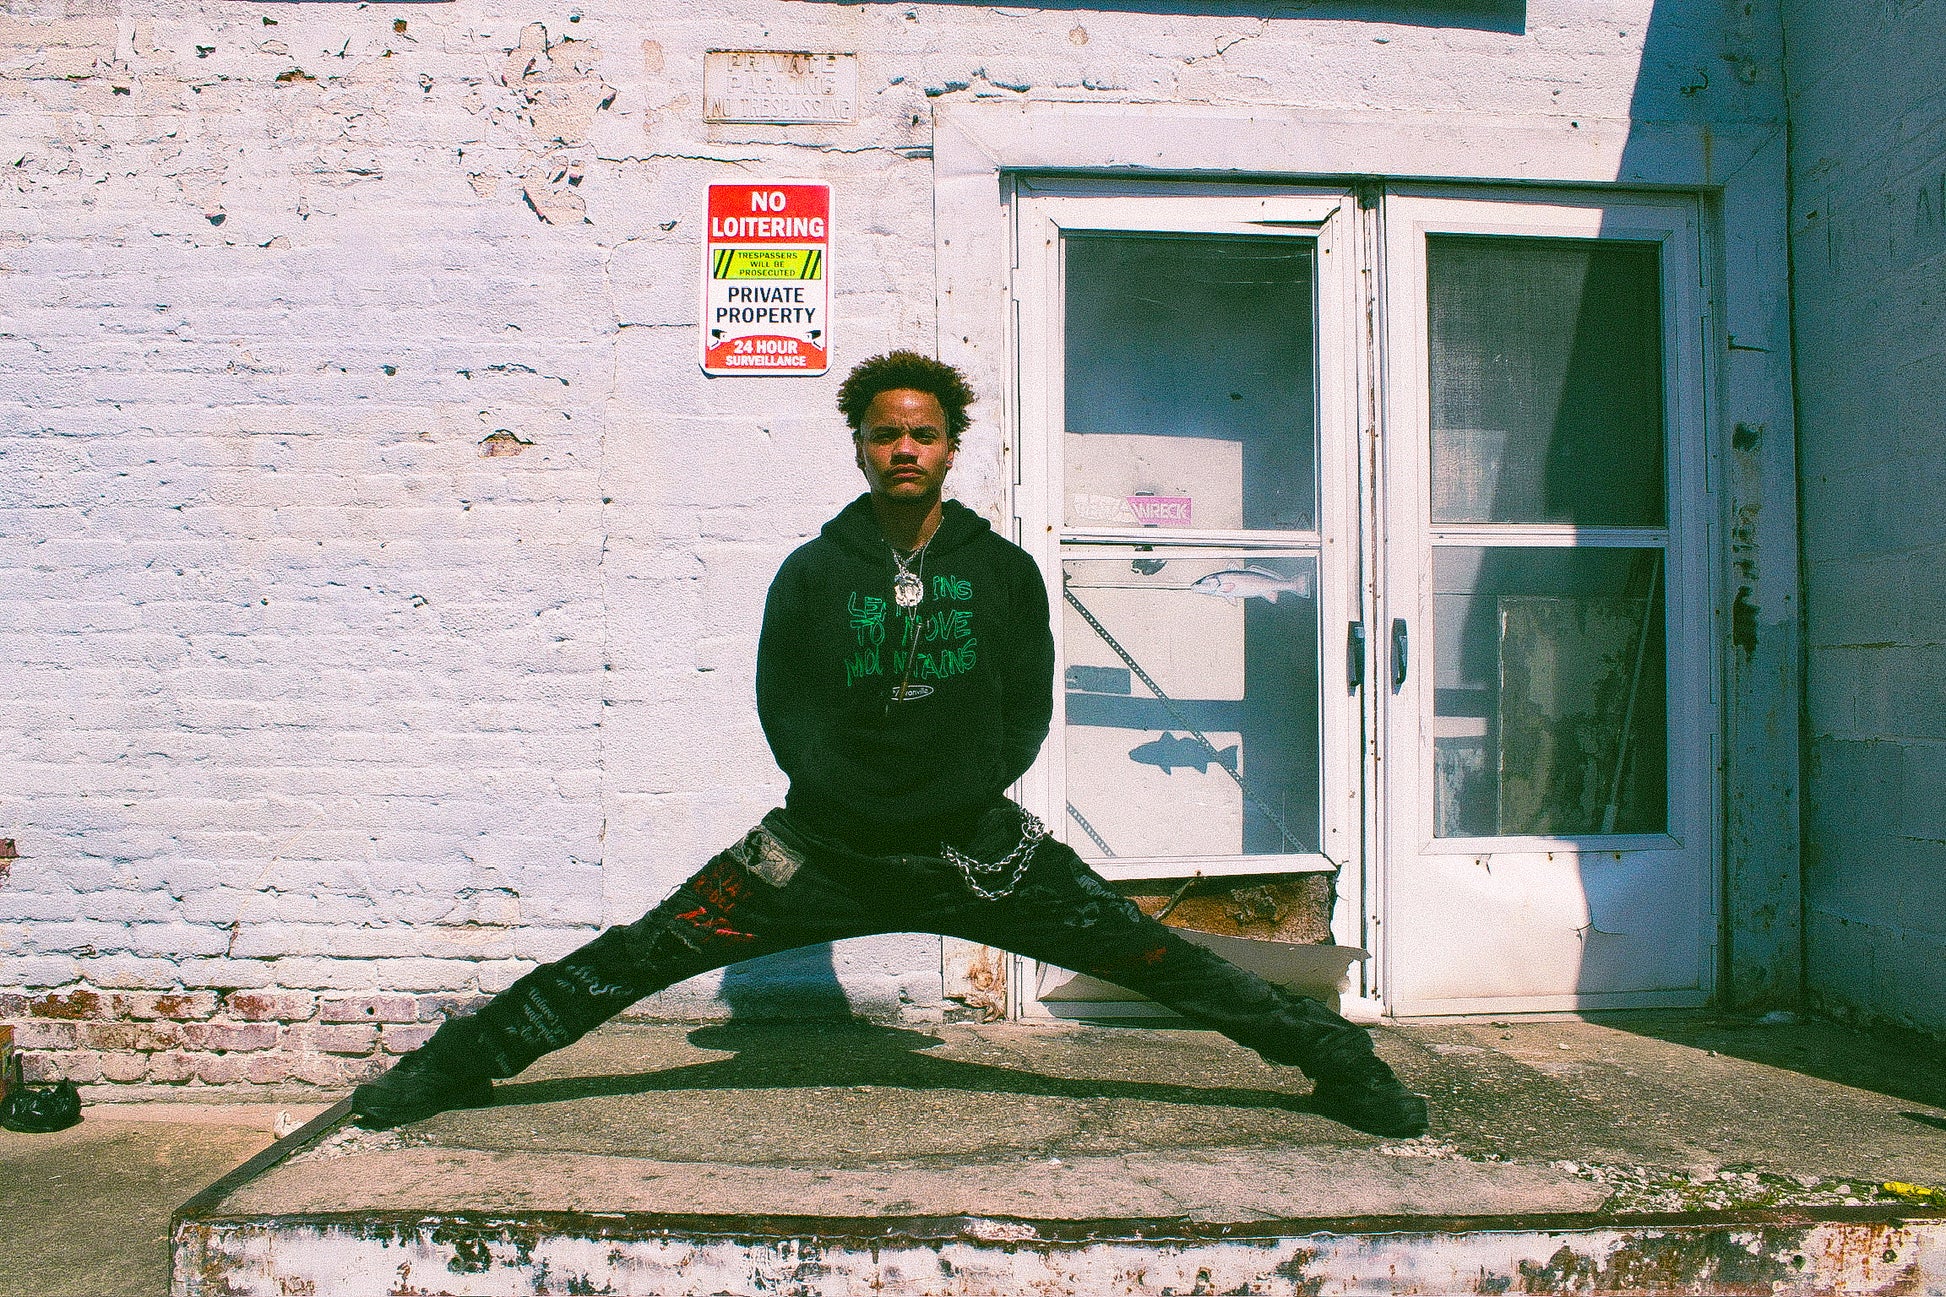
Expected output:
(1666, 1153)
(84, 1212)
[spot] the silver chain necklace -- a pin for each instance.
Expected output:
(908, 589)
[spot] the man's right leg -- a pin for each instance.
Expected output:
(1066, 914)
(735, 908)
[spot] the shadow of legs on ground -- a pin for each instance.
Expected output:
(773, 1055)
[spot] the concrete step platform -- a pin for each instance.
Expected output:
(1654, 1154)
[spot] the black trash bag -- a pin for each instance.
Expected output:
(38, 1109)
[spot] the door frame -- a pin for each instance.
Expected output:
(1738, 171)
(1376, 542)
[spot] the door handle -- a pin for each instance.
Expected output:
(1400, 648)
(1354, 656)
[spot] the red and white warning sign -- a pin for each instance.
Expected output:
(767, 279)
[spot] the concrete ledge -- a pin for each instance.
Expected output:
(669, 1256)
(1650, 1154)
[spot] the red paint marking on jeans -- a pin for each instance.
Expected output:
(1149, 957)
(720, 886)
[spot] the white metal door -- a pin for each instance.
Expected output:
(1547, 743)
(1188, 480)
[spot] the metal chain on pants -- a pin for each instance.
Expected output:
(1013, 865)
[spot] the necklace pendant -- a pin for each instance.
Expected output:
(907, 590)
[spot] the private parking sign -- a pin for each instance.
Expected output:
(767, 279)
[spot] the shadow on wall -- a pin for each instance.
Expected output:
(1480, 15)
(1548, 403)
(795, 984)
(1725, 62)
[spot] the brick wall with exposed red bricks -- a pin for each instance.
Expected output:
(188, 1040)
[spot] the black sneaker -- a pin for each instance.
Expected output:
(414, 1090)
(1367, 1096)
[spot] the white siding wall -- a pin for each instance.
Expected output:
(319, 715)
(1868, 232)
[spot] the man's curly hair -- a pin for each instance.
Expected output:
(910, 370)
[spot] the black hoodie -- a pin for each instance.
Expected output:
(888, 776)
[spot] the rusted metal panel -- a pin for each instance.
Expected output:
(1274, 907)
(976, 977)
(967, 1257)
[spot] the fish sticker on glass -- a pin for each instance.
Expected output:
(1253, 582)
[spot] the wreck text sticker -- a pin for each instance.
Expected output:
(1161, 510)
(766, 279)
(1135, 510)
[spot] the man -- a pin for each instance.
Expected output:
(904, 681)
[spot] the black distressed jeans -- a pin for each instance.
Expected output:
(779, 888)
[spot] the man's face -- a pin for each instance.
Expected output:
(902, 446)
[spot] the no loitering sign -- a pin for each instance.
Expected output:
(767, 280)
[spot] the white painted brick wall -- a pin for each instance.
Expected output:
(308, 694)
(1868, 162)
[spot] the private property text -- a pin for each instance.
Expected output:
(784, 312)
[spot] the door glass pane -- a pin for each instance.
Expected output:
(1546, 380)
(1190, 388)
(1216, 753)
(1550, 711)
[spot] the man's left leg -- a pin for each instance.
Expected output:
(1066, 914)
(758, 897)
